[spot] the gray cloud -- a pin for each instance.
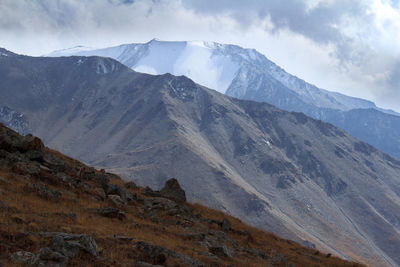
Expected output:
(321, 23)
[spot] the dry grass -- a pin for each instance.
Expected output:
(27, 212)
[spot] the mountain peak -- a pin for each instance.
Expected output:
(5, 53)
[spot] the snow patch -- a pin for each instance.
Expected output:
(105, 67)
(146, 69)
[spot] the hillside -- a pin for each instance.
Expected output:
(56, 210)
(284, 172)
(247, 74)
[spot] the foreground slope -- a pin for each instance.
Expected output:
(56, 211)
(295, 176)
(247, 74)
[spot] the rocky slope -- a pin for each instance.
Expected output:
(14, 120)
(281, 171)
(56, 211)
(247, 74)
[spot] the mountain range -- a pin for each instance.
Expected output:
(247, 74)
(282, 171)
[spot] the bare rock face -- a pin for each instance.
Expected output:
(173, 191)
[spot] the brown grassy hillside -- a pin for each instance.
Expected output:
(56, 211)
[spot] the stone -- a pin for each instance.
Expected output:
(226, 225)
(220, 251)
(48, 257)
(173, 191)
(100, 193)
(117, 201)
(111, 213)
(308, 244)
(70, 244)
(22, 257)
(125, 194)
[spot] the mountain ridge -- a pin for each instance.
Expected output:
(247, 74)
(282, 171)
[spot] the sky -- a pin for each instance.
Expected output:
(348, 46)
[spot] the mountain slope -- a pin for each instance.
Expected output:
(285, 172)
(247, 74)
(79, 216)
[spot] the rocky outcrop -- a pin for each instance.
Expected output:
(173, 191)
(62, 248)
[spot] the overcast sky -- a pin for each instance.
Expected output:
(350, 46)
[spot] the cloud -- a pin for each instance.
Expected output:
(364, 35)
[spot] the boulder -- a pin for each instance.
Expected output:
(22, 257)
(100, 193)
(226, 225)
(126, 195)
(173, 191)
(63, 247)
(70, 244)
(48, 257)
(117, 201)
(110, 213)
(11, 141)
(220, 251)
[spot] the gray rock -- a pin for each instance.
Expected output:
(49, 257)
(70, 244)
(173, 190)
(308, 244)
(226, 225)
(117, 201)
(100, 193)
(22, 257)
(220, 251)
(110, 213)
(126, 195)
(43, 191)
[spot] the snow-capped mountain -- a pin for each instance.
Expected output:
(281, 171)
(247, 74)
(218, 66)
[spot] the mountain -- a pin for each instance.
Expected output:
(14, 120)
(247, 74)
(79, 216)
(300, 178)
